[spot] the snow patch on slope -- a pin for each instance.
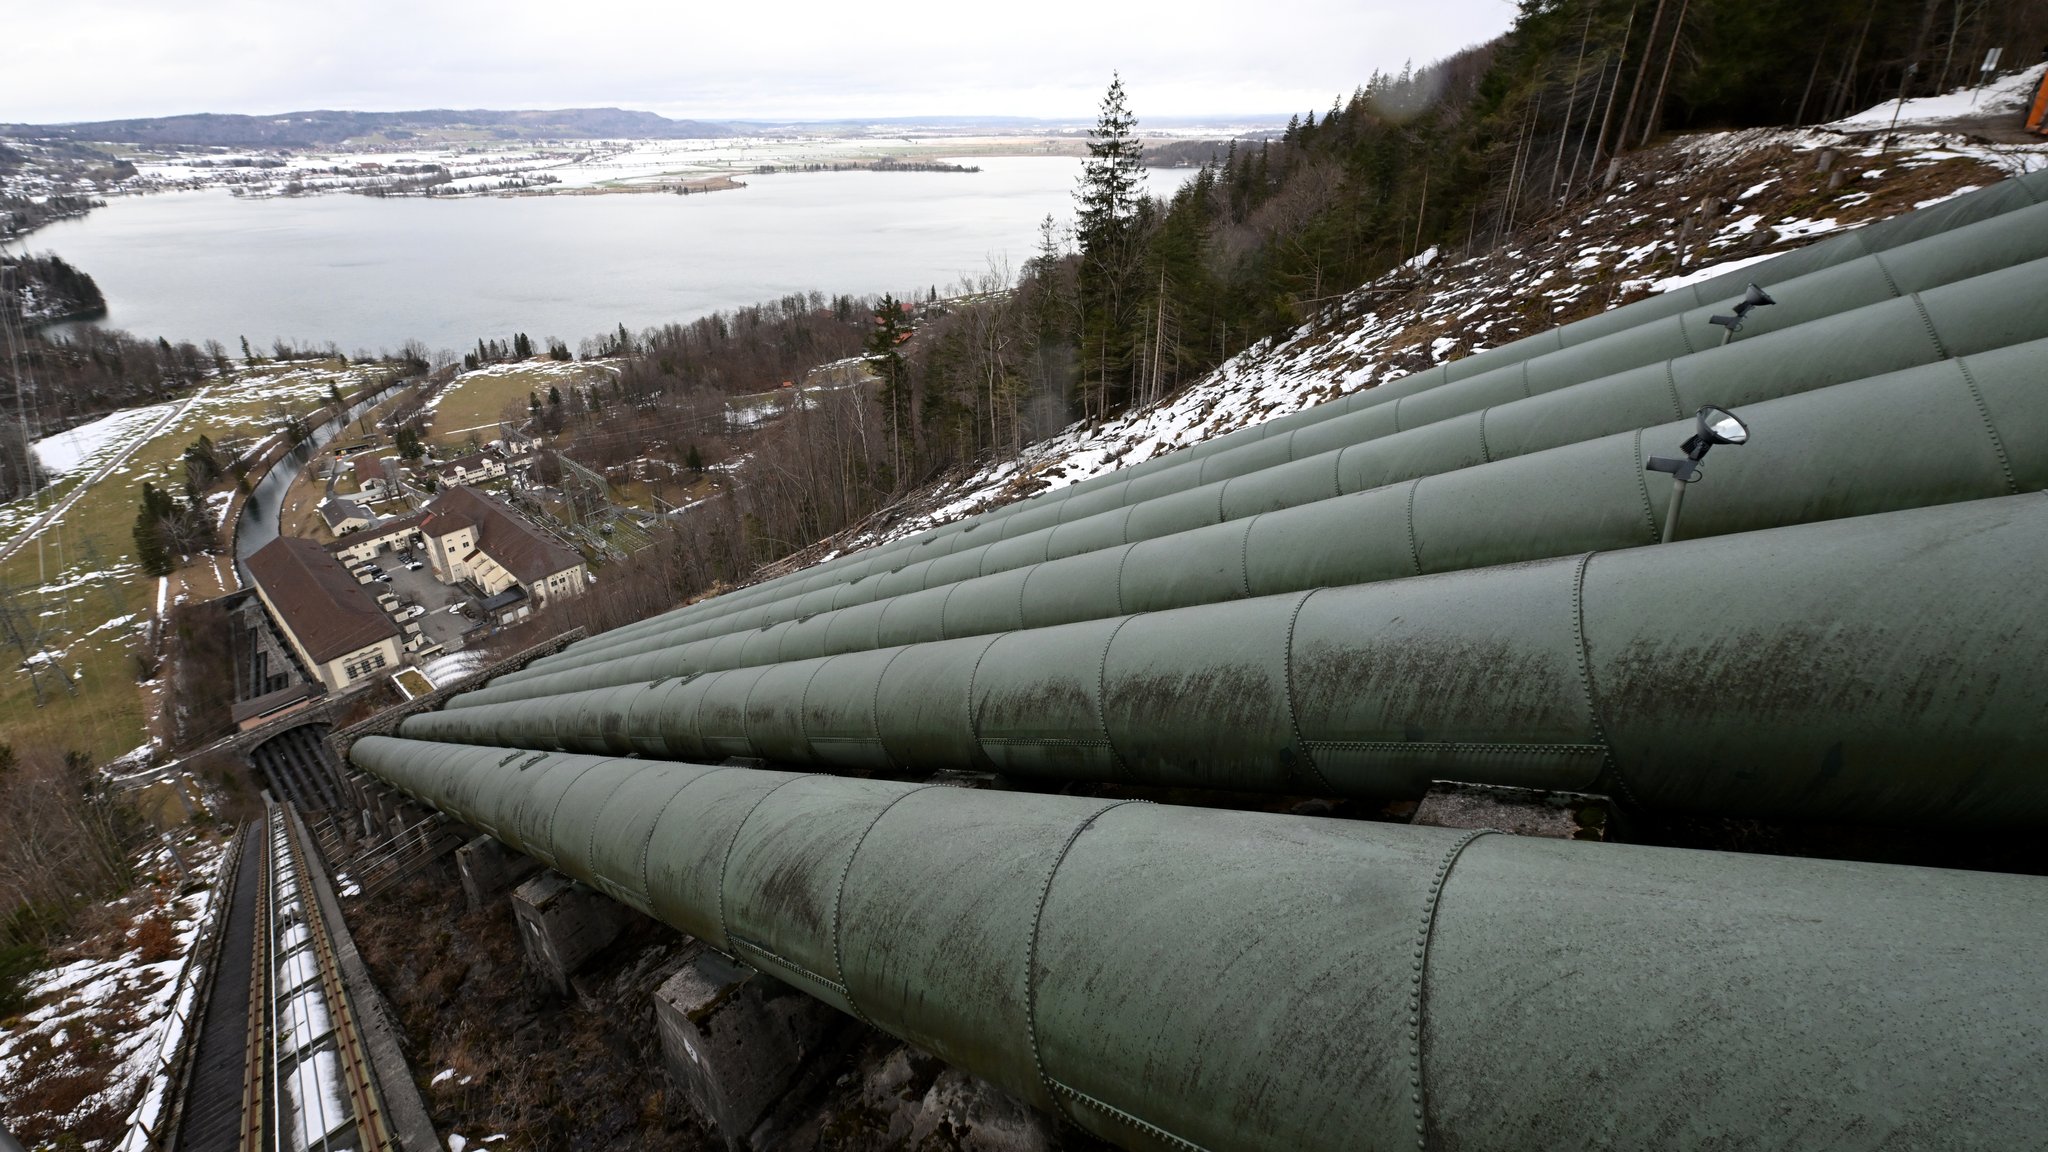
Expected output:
(78, 449)
(2009, 93)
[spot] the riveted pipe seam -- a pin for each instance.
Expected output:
(1984, 310)
(839, 899)
(1792, 472)
(1990, 426)
(1416, 1005)
(1031, 967)
(2005, 197)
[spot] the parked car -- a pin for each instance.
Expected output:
(413, 566)
(409, 612)
(383, 577)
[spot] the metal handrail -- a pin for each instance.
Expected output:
(147, 1127)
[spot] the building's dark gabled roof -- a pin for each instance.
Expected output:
(500, 534)
(320, 602)
(340, 511)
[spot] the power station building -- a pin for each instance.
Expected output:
(332, 623)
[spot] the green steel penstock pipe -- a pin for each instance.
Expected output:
(1988, 312)
(1183, 978)
(1878, 668)
(1902, 231)
(1961, 429)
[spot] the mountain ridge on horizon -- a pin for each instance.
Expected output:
(312, 128)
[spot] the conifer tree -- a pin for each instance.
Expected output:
(1107, 206)
(886, 360)
(150, 551)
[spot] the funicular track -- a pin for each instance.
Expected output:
(281, 1065)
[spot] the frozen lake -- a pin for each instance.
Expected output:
(370, 273)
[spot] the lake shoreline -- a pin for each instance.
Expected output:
(367, 276)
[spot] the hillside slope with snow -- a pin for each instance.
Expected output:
(1687, 210)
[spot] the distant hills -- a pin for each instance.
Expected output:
(324, 128)
(328, 128)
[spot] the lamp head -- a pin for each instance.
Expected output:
(1714, 426)
(1753, 298)
(1720, 426)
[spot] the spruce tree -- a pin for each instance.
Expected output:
(886, 361)
(150, 552)
(1107, 205)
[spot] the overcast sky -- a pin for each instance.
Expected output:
(782, 59)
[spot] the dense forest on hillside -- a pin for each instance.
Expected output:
(37, 289)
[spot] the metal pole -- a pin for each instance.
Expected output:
(1671, 514)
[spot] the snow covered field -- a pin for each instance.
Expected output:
(81, 448)
(555, 167)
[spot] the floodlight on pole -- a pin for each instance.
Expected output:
(1752, 299)
(1715, 426)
